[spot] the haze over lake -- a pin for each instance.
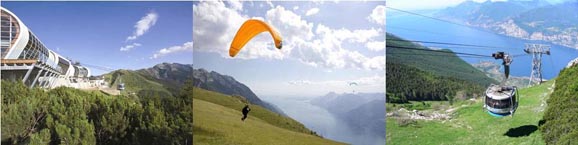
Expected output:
(413, 27)
(321, 121)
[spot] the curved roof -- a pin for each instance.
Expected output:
(497, 92)
(15, 50)
(21, 40)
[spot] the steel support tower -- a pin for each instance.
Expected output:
(536, 50)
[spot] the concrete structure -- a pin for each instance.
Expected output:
(25, 58)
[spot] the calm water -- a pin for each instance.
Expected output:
(419, 28)
(321, 121)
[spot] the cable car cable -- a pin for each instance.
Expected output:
(413, 48)
(438, 19)
(439, 55)
(446, 43)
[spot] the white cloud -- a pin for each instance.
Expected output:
(236, 4)
(188, 46)
(143, 25)
(327, 51)
(216, 24)
(377, 15)
(312, 11)
(295, 8)
(362, 82)
(375, 45)
(129, 47)
(293, 26)
(300, 82)
(270, 3)
(359, 36)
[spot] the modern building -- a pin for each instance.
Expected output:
(25, 58)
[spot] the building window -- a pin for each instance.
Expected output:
(9, 29)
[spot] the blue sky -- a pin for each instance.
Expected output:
(94, 32)
(326, 45)
(440, 4)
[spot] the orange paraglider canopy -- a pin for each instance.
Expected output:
(250, 29)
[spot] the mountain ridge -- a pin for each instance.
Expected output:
(530, 20)
(225, 84)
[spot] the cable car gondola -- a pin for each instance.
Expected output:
(501, 100)
(120, 86)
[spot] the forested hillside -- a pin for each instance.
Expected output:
(152, 110)
(71, 116)
(429, 75)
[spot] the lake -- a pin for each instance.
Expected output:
(413, 27)
(321, 121)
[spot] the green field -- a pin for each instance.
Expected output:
(471, 125)
(217, 120)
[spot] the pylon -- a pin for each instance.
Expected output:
(536, 50)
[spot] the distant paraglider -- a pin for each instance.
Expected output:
(351, 84)
(250, 29)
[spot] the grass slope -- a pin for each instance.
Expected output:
(471, 125)
(134, 82)
(217, 120)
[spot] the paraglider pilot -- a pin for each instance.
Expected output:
(245, 111)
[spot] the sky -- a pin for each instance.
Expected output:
(439, 4)
(326, 45)
(115, 35)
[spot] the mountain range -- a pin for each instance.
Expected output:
(530, 20)
(364, 113)
(167, 78)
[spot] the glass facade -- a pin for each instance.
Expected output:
(80, 71)
(9, 29)
(33, 48)
(62, 65)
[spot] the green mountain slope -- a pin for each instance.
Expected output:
(217, 120)
(471, 125)
(136, 82)
(427, 75)
(561, 116)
